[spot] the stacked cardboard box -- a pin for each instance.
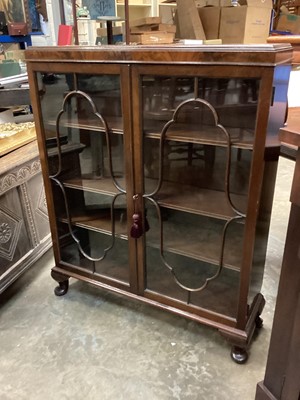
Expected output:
(151, 30)
(288, 20)
(248, 22)
(234, 22)
(242, 22)
(210, 13)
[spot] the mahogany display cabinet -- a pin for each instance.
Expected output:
(159, 164)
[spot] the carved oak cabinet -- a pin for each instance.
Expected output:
(24, 226)
(159, 165)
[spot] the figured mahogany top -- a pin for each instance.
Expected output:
(256, 55)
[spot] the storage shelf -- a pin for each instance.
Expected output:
(171, 195)
(99, 222)
(179, 132)
(188, 198)
(174, 196)
(195, 251)
(102, 185)
(194, 246)
(187, 133)
(115, 124)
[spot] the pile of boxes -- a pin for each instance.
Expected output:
(248, 22)
(288, 21)
(151, 30)
(235, 21)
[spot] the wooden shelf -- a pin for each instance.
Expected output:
(199, 244)
(172, 195)
(102, 185)
(115, 124)
(240, 138)
(203, 245)
(99, 221)
(189, 198)
(66, 149)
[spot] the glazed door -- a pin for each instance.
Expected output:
(86, 142)
(197, 135)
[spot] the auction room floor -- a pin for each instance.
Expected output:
(95, 345)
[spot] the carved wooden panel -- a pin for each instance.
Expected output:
(24, 227)
(14, 243)
(39, 212)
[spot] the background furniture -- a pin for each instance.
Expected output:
(130, 210)
(292, 118)
(281, 379)
(24, 40)
(24, 226)
(293, 7)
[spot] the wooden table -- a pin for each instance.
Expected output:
(288, 149)
(282, 377)
(294, 40)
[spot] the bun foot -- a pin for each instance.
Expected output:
(259, 322)
(239, 355)
(62, 288)
(63, 283)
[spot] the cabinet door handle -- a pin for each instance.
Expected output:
(136, 230)
(138, 227)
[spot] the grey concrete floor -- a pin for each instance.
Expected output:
(91, 344)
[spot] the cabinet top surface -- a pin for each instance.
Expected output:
(264, 54)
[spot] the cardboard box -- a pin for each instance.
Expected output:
(206, 3)
(248, 23)
(168, 9)
(210, 18)
(158, 27)
(145, 21)
(156, 37)
(167, 12)
(117, 30)
(289, 22)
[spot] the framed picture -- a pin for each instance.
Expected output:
(99, 8)
(23, 11)
(33, 18)
(14, 10)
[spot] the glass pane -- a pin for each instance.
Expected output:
(185, 250)
(198, 140)
(115, 263)
(85, 146)
(234, 100)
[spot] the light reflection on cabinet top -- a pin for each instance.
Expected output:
(254, 55)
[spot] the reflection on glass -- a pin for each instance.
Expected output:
(84, 138)
(161, 97)
(197, 160)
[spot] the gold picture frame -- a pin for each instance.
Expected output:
(14, 10)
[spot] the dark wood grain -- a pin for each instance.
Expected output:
(192, 191)
(282, 380)
(226, 54)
